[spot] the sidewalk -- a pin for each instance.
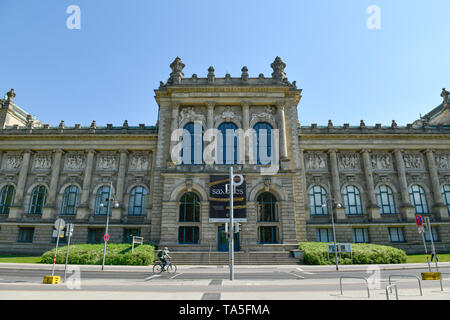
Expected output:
(307, 268)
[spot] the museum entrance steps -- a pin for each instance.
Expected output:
(240, 257)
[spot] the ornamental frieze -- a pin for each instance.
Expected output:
(139, 162)
(107, 162)
(413, 161)
(381, 161)
(349, 161)
(74, 162)
(42, 161)
(443, 161)
(315, 161)
(13, 162)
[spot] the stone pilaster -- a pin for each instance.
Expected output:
(406, 208)
(83, 209)
(438, 206)
(50, 207)
(336, 185)
(282, 128)
(374, 210)
(174, 122)
(116, 212)
(245, 115)
(210, 114)
(17, 210)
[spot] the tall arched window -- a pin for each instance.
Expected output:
(189, 210)
(352, 200)
(70, 201)
(267, 207)
(227, 147)
(263, 143)
(386, 200)
(318, 201)
(38, 198)
(101, 198)
(138, 201)
(446, 196)
(192, 152)
(6, 199)
(418, 199)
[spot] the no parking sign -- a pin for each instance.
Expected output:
(419, 220)
(106, 237)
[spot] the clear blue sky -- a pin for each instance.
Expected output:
(108, 70)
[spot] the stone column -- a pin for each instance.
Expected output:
(245, 115)
(406, 209)
(51, 206)
(210, 115)
(173, 123)
(336, 185)
(83, 209)
(373, 208)
(116, 212)
(438, 206)
(17, 209)
(282, 128)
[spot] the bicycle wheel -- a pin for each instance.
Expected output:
(157, 268)
(171, 269)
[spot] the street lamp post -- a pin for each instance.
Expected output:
(331, 211)
(108, 209)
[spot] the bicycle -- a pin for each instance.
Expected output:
(170, 268)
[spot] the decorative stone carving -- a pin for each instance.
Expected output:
(177, 67)
(74, 162)
(381, 161)
(42, 162)
(445, 95)
(278, 67)
(443, 161)
(315, 161)
(191, 116)
(227, 115)
(413, 161)
(13, 162)
(107, 162)
(349, 161)
(267, 115)
(139, 162)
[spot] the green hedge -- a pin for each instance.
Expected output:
(316, 253)
(116, 254)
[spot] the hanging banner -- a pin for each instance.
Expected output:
(219, 199)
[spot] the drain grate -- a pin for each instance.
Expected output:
(215, 283)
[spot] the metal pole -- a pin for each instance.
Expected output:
(107, 224)
(334, 236)
(427, 219)
(231, 241)
(56, 250)
(426, 251)
(69, 228)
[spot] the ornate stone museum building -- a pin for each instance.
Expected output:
(374, 179)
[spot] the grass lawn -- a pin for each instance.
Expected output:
(15, 259)
(421, 258)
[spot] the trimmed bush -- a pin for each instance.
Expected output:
(116, 254)
(316, 253)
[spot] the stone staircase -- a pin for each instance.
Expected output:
(241, 258)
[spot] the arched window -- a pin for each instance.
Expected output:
(352, 201)
(70, 201)
(446, 196)
(227, 147)
(263, 143)
(267, 207)
(386, 200)
(317, 200)
(189, 210)
(101, 198)
(418, 199)
(192, 144)
(6, 199)
(38, 198)
(138, 201)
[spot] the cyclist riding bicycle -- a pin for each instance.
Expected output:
(163, 257)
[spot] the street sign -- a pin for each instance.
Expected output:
(421, 229)
(106, 237)
(419, 221)
(69, 230)
(61, 223)
(55, 234)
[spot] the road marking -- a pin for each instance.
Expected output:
(305, 272)
(179, 274)
(152, 277)
(211, 296)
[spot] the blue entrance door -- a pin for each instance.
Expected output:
(222, 244)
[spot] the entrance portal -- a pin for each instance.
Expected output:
(222, 243)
